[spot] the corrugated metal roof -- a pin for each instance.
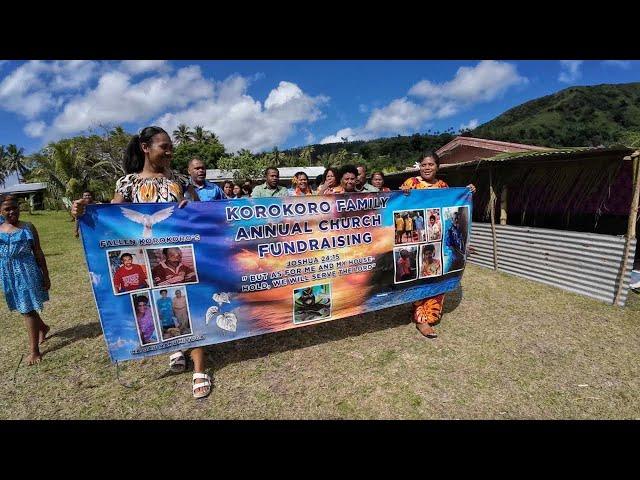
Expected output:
(286, 173)
(24, 188)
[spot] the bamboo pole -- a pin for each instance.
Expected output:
(503, 205)
(492, 200)
(633, 216)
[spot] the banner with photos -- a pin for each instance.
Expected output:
(168, 278)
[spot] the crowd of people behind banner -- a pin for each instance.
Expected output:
(149, 179)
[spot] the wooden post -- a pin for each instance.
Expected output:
(633, 215)
(503, 205)
(492, 200)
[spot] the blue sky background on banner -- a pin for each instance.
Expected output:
(262, 104)
(213, 259)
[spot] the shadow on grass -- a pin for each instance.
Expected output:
(72, 335)
(452, 300)
(250, 348)
(224, 354)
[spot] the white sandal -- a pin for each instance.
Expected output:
(177, 362)
(206, 384)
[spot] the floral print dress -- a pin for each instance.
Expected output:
(427, 310)
(136, 189)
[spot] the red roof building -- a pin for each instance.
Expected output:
(464, 149)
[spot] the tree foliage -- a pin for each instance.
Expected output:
(247, 166)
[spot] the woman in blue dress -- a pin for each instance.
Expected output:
(23, 273)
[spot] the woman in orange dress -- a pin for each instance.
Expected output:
(427, 312)
(346, 177)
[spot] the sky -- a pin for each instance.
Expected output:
(263, 104)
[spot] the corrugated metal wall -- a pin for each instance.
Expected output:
(584, 263)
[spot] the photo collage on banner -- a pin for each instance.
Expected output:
(156, 280)
(421, 238)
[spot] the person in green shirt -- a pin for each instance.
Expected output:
(361, 180)
(270, 187)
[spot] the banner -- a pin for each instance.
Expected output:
(168, 278)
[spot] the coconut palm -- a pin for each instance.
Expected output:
(182, 134)
(3, 170)
(117, 131)
(14, 160)
(200, 135)
(305, 155)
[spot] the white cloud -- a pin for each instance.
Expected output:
(310, 137)
(35, 129)
(347, 133)
(240, 121)
(625, 64)
(60, 98)
(136, 67)
(363, 108)
(400, 115)
(473, 123)
(116, 100)
(484, 82)
(71, 75)
(570, 71)
(28, 90)
(17, 91)
(350, 134)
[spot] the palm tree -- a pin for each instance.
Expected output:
(14, 160)
(3, 170)
(200, 135)
(305, 155)
(182, 134)
(117, 131)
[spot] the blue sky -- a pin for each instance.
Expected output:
(262, 104)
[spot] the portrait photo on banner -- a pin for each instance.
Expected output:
(434, 225)
(172, 265)
(454, 242)
(128, 270)
(405, 263)
(409, 226)
(312, 303)
(172, 310)
(145, 318)
(430, 260)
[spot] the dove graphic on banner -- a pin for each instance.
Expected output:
(148, 221)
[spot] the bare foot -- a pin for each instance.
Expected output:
(426, 330)
(34, 358)
(42, 335)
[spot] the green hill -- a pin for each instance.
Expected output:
(575, 116)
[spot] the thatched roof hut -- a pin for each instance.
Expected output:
(556, 215)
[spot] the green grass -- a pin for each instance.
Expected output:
(508, 349)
